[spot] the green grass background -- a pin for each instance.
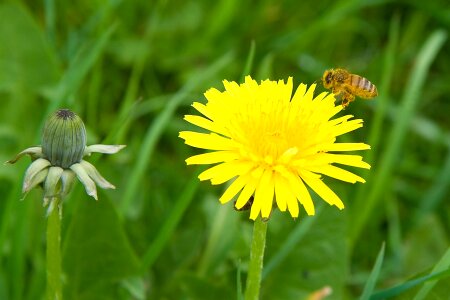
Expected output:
(131, 69)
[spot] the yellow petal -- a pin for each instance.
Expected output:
(339, 120)
(301, 193)
(347, 147)
(234, 188)
(310, 93)
(347, 127)
(231, 86)
(225, 171)
(209, 141)
(299, 93)
(201, 108)
(212, 157)
(322, 189)
(320, 98)
(255, 209)
(285, 197)
(345, 159)
(204, 123)
(338, 173)
(246, 193)
(230, 173)
(282, 192)
(335, 110)
(286, 92)
(264, 193)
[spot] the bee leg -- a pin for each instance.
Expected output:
(346, 99)
(336, 93)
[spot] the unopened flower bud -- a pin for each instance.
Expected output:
(59, 161)
(64, 139)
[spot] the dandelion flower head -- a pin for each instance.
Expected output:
(274, 145)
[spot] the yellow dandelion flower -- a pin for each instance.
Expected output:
(274, 145)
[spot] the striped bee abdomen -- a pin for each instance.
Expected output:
(364, 88)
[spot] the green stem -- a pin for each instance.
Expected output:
(54, 286)
(256, 260)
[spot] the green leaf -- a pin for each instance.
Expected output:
(97, 254)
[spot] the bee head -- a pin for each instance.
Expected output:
(327, 79)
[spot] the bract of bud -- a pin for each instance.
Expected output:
(64, 139)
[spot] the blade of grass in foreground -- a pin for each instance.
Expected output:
(442, 265)
(397, 290)
(436, 194)
(157, 127)
(394, 142)
(80, 66)
(222, 233)
(121, 128)
(172, 220)
(370, 284)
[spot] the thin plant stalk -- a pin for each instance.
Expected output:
(54, 285)
(256, 260)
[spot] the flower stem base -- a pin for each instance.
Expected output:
(256, 260)
(54, 285)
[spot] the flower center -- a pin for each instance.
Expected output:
(65, 114)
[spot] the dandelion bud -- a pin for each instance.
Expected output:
(64, 139)
(59, 160)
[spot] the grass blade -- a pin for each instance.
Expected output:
(249, 62)
(394, 142)
(442, 265)
(155, 130)
(81, 65)
(155, 248)
(397, 290)
(240, 295)
(294, 237)
(371, 282)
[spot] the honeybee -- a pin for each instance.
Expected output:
(341, 82)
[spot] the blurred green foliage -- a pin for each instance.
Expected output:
(131, 69)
